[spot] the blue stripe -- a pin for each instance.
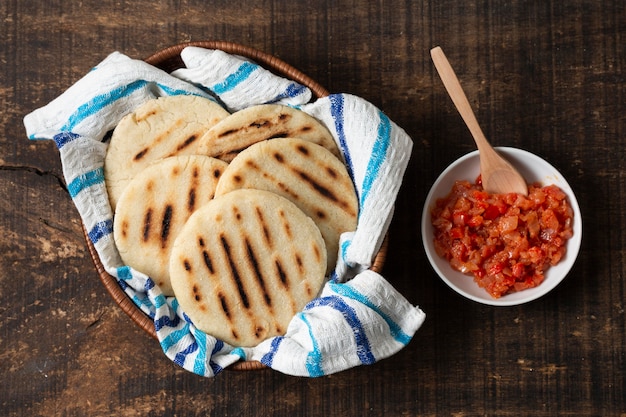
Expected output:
(314, 358)
(159, 301)
(180, 357)
(63, 138)
(100, 230)
(142, 301)
(199, 366)
(101, 101)
(123, 273)
(379, 152)
(363, 349)
(219, 345)
(236, 78)
(174, 337)
(239, 352)
(214, 366)
(347, 291)
(176, 92)
(344, 250)
(148, 285)
(336, 110)
(268, 358)
(166, 321)
(292, 90)
(85, 180)
(175, 304)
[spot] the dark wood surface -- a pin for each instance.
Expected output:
(543, 75)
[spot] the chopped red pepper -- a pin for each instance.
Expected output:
(506, 241)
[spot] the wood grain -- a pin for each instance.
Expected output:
(547, 76)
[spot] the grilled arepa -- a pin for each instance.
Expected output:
(154, 207)
(305, 173)
(159, 128)
(245, 263)
(266, 121)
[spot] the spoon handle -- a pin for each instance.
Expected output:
(455, 91)
(498, 175)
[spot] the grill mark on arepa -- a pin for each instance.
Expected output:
(325, 192)
(165, 224)
(317, 252)
(227, 133)
(224, 305)
(141, 117)
(206, 257)
(278, 135)
(266, 231)
(260, 123)
(237, 214)
(282, 276)
(259, 331)
(191, 194)
(307, 288)
(196, 293)
(141, 154)
(235, 272)
(124, 228)
(157, 139)
(303, 150)
(191, 200)
(285, 224)
(191, 139)
(322, 190)
(147, 224)
(257, 273)
(207, 261)
(279, 157)
(299, 263)
(332, 173)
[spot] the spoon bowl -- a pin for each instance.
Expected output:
(497, 174)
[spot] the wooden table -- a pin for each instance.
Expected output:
(546, 76)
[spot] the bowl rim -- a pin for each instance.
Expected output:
(573, 245)
(168, 59)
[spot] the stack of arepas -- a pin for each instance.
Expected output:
(237, 215)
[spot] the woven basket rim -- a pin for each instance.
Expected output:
(168, 59)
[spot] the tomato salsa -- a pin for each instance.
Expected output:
(505, 241)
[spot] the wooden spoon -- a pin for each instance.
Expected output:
(498, 175)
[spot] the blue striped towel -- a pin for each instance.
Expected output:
(359, 318)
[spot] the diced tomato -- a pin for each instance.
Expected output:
(459, 218)
(518, 270)
(491, 213)
(506, 241)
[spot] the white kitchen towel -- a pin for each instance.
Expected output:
(359, 318)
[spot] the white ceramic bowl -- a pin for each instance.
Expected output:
(534, 169)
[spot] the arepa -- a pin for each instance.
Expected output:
(159, 128)
(244, 264)
(154, 207)
(305, 173)
(257, 123)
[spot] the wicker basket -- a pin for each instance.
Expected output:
(169, 59)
